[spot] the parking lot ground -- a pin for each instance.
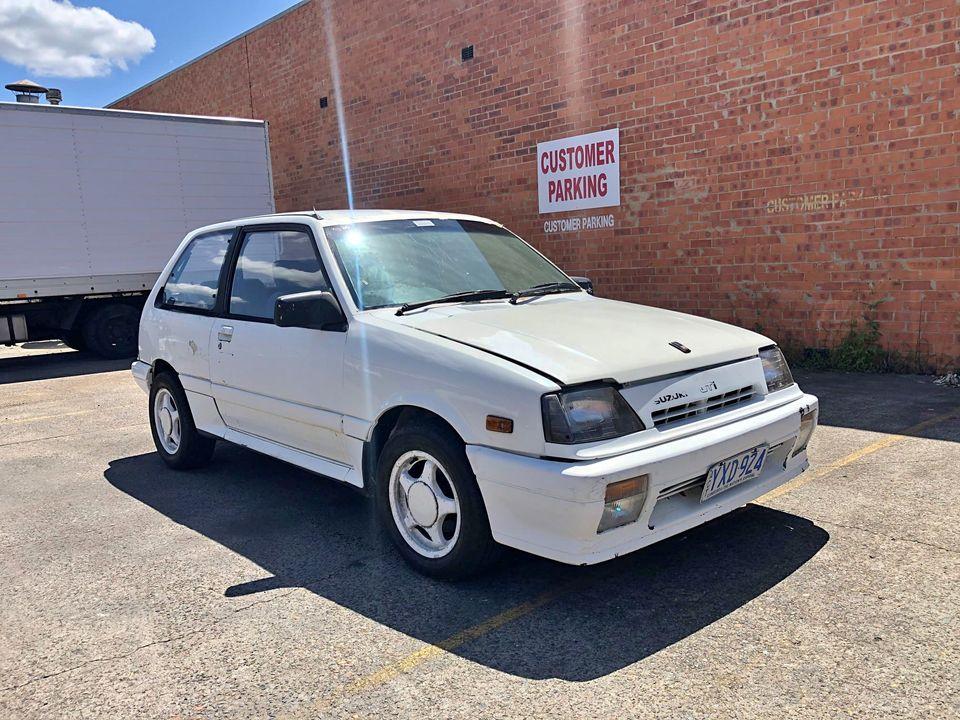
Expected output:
(253, 589)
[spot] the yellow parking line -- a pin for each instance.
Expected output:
(464, 636)
(407, 663)
(873, 447)
(45, 417)
(429, 652)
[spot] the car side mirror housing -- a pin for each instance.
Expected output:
(316, 310)
(585, 283)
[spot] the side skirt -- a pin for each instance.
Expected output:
(313, 463)
(208, 420)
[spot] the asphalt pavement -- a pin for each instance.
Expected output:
(253, 589)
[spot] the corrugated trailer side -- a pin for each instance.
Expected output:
(93, 203)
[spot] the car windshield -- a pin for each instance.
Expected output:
(394, 262)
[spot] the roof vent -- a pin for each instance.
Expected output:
(27, 91)
(54, 96)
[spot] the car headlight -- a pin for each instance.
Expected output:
(587, 415)
(775, 369)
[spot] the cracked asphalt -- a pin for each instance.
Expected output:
(252, 589)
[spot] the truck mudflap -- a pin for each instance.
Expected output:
(13, 329)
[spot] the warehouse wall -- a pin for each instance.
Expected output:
(789, 166)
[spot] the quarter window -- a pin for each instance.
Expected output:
(193, 282)
(273, 264)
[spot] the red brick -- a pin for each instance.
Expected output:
(722, 110)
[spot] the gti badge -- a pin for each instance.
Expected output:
(667, 398)
(712, 385)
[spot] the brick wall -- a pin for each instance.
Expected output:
(785, 165)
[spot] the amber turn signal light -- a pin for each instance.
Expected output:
(625, 488)
(495, 423)
(623, 502)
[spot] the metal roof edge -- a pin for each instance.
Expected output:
(79, 110)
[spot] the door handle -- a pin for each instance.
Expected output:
(225, 334)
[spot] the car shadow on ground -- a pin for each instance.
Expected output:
(49, 365)
(311, 532)
(883, 403)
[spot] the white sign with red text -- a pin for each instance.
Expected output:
(579, 172)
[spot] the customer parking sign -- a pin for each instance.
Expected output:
(579, 172)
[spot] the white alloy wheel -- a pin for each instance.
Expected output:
(167, 420)
(424, 504)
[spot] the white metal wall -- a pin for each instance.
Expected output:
(88, 193)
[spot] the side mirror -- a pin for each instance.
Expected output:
(584, 282)
(316, 310)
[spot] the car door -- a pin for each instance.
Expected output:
(279, 383)
(187, 304)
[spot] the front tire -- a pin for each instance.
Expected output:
(175, 435)
(430, 504)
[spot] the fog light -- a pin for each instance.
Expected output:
(808, 421)
(623, 502)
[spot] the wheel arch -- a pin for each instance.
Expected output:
(162, 366)
(386, 424)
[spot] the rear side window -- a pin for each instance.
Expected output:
(195, 276)
(273, 263)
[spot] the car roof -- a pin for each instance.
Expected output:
(343, 217)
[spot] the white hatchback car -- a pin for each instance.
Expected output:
(446, 367)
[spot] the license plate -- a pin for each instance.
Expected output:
(733, 471)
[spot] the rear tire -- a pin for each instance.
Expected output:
(435, 515)
(175, 435)
(111, 331)
(74, 340)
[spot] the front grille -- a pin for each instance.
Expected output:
(683, 411)
(683, 486)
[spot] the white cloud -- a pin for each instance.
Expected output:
(58, 39)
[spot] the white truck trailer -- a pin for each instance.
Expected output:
(93, 203)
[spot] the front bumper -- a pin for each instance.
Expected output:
(552, 508)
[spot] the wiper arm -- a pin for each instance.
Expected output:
(544, 289)
(476, 295)
(467, 296)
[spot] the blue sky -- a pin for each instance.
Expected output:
(47, 40)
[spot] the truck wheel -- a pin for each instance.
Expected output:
(74, 340)
(178, 442)
(111, 331)
(431, 506)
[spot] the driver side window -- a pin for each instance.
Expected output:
(271, 264)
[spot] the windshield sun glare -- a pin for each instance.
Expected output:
(400, 262)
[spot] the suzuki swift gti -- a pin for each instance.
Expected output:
(451, 371)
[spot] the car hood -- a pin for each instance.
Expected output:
(574, 338)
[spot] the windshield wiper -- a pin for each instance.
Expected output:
(543, 289)
(469, 295)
